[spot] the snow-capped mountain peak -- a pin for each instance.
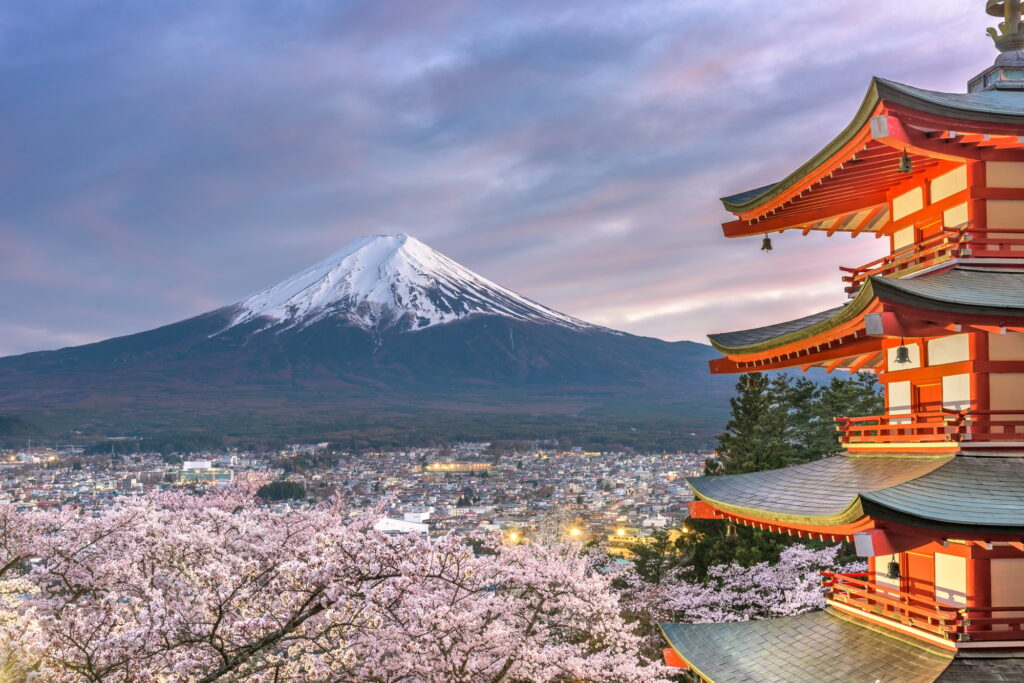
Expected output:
(389, 281)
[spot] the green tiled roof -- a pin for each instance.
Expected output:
(745, 339)
(973, 493)
(825, 492)
(990, 107)
(963, 289)
(817, 647)
(982, 491)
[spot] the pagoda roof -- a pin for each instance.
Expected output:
(822, 493)
(978, 494)
(770, 336)
(809, 648)
(961, 289)
(991, 107)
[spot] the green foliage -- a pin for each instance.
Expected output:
(282, 490)
(783, 421)
(775, 422)
(653, 561)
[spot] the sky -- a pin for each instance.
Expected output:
(163, 158)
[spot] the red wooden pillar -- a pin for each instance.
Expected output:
(979, 578)
(978, 348)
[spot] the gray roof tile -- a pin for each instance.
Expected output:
(840, 650)
(981, 491)
(822, 489)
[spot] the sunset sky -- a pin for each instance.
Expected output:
(159, 159)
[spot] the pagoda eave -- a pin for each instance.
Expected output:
(848, 185)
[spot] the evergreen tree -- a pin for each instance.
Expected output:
(757, 435)
(775, 423)
(653, 561)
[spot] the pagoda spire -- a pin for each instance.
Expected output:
(1009, 37)
(1007, 73)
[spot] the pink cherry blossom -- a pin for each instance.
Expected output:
(217, 588)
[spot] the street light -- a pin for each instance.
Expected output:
(513, 537)
(620, 532)
(575, 532)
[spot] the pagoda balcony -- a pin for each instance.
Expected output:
(948, 244)
(933, 428)
(945, 245)
(924, 428)
(991, 425)
(915, 612)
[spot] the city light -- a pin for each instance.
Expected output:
(513, 537)
(620, 532)
(575, 532)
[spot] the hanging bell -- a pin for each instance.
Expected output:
(906, 165)
(766, 243)
(902, 354)
(893, 570)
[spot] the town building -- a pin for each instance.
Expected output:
(932, 491)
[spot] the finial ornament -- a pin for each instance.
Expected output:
(1009, 37)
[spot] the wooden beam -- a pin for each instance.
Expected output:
(930, 211)
(869, 219)
(861, 362)
(835, 364)
(890, 131)
(906, 136)
(743, 228)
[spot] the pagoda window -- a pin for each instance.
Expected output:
(956, 392)
(952, 349)
(904, 205)
(1009, 346)
(1007, 588)
(1005, 391)
(949, 184)
(1005, 214)
(1004, 174)
(951, 580)
(915, 358)
(881, 569)
(946, 186)
(898, 397)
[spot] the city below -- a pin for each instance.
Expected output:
(524, 489)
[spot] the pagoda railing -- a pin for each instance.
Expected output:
(991, 425)
(856, 590)
(980, 624)
(933, 426)
(996, 243)
(944, 245)
(963, 241)
(924, 427)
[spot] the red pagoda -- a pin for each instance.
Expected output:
(931, 492)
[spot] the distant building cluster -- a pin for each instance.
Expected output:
(620, 498)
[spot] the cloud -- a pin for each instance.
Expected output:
(159, 159)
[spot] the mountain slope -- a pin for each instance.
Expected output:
(388, 281)
(384, 332)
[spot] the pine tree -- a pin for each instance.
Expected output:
(757, 435)
(775, 423)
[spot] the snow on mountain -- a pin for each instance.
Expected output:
(389, 281)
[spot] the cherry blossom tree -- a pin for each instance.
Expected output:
(179, 587)
(733, 592)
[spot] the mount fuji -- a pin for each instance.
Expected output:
(385, 334)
